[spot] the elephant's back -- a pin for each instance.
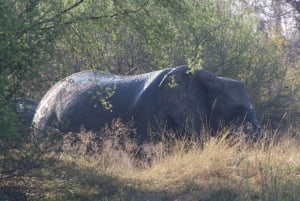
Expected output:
(91, 77)
(101, 78)
(100, 96)
(79, 84)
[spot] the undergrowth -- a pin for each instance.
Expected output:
(111, 165)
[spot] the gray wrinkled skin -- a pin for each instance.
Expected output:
(174, 97)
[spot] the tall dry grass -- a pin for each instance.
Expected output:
(220, 168)
(113, 166)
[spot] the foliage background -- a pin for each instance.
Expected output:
(44, 41)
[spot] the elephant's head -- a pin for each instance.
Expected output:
(198, 97)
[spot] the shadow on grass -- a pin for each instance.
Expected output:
(64, 180)
(12, 194)
(68, 181)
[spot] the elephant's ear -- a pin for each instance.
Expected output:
(177, 95)
(208, 80)
(174, 77)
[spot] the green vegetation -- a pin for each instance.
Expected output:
(43, 41)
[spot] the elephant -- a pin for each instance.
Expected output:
(178, 98)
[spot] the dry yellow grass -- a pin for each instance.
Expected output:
(218, 170)
(182, 170)
(242, 171)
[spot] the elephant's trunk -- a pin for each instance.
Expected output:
(259, 133)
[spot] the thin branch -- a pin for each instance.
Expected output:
(79, 19)
(20, 33)
(124, 12)
(71, 7)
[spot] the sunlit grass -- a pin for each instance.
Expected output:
(177, 169)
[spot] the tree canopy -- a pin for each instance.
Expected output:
(43, 41)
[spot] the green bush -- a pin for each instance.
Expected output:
(8, 126)
(42, 42)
